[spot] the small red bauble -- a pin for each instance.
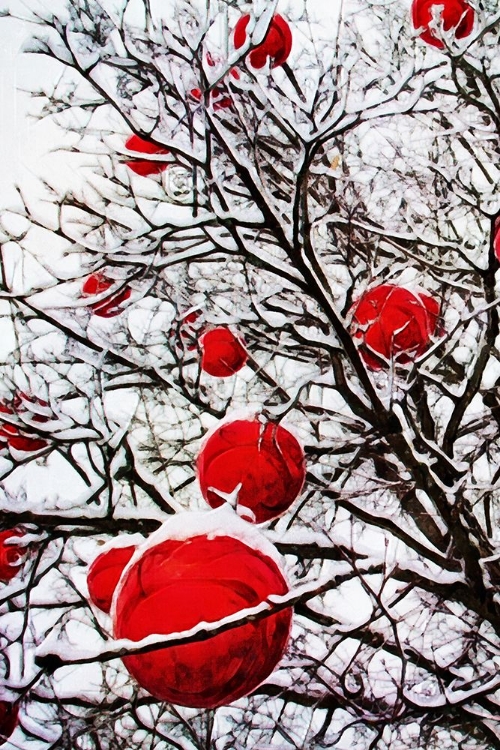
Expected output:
(26, 444)
(184, 334)
(276, 44)
(8, 432)
(15, 436)
(8, 720)
(10, 554)
(218, 99)
(391, 322)
(32, 407)
(496, 239)
(177, 584)
(223, 354)
(104, 574)
(265, 459)
(145, 167)
(455, 14)
(97, 283)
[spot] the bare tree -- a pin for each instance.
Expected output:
(278, 196)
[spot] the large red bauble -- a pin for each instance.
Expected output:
(97, 283)
(496, 240)
(223, 354)
(391, 322)
(276, 44)
(265, 459)
(8, 720)
(145, 167)
(455, 14)
(104, 574)
(10, 555)
(177, 584)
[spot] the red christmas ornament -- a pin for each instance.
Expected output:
(15, 436)
(177, 584)
(104, 574)
(25, 443)
(97, 283)
(496, 239)
(10, 555)
(265, 459)
(8, 720)
(223, 354)
(455, 14)
(8, 432)
(276, 44)
(218, 98)
(145, 167)
(391, 322)
(184, 335)
(33, 407)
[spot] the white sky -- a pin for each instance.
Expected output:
(25, 143)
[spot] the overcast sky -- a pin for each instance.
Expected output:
(25, 142)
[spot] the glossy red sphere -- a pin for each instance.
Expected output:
(8, 720)
(26, 443)
(174, 586)
(223, 354)
(10, 554)
(496, 240)
(391, 322)
(8, 432)
(265, 459)
(455, 14)
(104, 574)
(276, 44)
(17, 436)
(145, 167)
(97, 283)
(218, 98)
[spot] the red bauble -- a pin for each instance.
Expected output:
(276, 44)
(15, 436)
(391, 322)
(145, 167)
(32, 407)
(26, 444)
(223, 354)
(265, 459)
(496, 240)
(97, 283)
(8, 720)
(184, 335)
(104, 574)
(218, 99)
(177, 584)
(455, 14)
(8, 432)
(10, 555)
